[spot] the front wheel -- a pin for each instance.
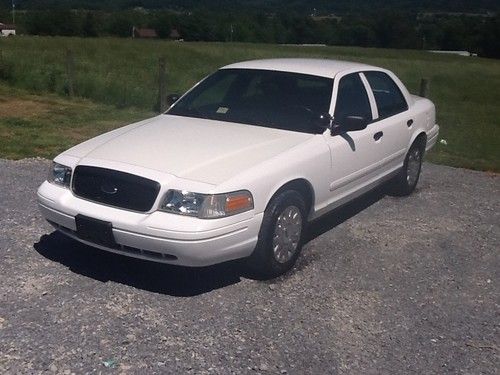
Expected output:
(280, 236)
(406, 180)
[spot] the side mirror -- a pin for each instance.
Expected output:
(353, 123)
(350, 123)
(172, 98)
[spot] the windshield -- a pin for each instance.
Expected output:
(267, 98)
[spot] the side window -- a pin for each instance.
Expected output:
(390, 100)
(352, 99)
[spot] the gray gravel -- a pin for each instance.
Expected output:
(386, 285)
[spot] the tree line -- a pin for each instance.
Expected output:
(324, 6)
(385, 28)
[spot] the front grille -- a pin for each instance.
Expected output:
(114, 188)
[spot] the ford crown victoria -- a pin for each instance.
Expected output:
(240, 164)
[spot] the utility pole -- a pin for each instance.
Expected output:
(162, 83)
(13, 12)
(70, 72)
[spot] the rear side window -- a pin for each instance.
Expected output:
(390, 100)
(352, 99)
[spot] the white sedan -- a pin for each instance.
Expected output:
(240, 164)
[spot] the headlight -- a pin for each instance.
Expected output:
(206, 206)
(60, 175)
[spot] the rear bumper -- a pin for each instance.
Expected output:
(432, 136)
(156, 236)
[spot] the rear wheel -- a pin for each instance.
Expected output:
(280, 236)
(406, 181)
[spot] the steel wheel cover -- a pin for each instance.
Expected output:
(287, 234)
(413, 166)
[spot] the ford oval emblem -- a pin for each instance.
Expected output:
(108, 188)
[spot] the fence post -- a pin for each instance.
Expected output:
(424, 87)
(162, 85)
(70, 72)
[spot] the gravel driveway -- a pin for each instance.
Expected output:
(385, 285)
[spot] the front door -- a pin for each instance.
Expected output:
(392, 118)
(355, 155)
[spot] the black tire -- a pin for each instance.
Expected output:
(263, 262)
(407, 179)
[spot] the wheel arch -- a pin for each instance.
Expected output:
(419, 138)
(300, 185)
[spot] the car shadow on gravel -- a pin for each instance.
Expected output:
(142, 274)
(344, 213)
(168, 279)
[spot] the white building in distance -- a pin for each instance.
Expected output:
(7, 30)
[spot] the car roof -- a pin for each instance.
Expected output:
(318, 67)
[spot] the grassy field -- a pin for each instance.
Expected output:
(121, 74)
(34, 125)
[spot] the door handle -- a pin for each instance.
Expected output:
(378, 135)
(409, 122)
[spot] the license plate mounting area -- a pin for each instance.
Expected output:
(96, 231)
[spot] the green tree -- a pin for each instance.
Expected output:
(489, 43)
(89, 28)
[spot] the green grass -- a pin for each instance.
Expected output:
(123, 73)
(33, 125)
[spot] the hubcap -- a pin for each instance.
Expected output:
(287, 233)
(413, 168)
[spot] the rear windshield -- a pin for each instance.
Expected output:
(272, 99)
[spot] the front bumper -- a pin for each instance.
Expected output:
(157, 236)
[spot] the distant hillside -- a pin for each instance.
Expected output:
(321, 6)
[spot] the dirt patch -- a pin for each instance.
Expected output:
(6, 133)
(24, 108)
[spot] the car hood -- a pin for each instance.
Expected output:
(196, 149)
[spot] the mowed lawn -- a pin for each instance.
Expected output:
(122, 74)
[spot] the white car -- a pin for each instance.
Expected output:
(240, 164)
